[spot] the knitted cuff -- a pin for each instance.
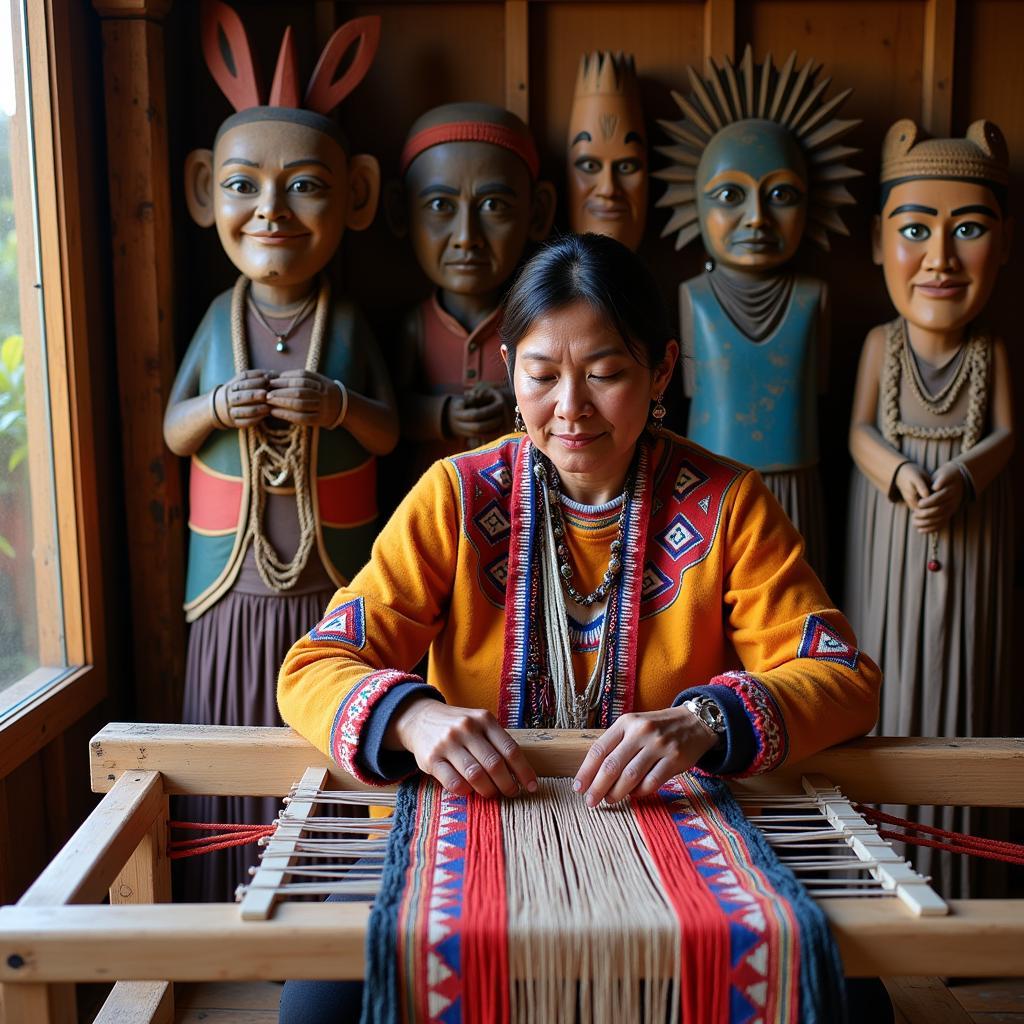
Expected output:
(765, 721)
(352, 715)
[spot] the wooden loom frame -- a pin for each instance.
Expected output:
(56, 934)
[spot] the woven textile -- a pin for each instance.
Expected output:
(538, 909)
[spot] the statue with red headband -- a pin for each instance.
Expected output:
(283, 401)
(472, 203)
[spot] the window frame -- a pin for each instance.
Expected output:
(38, 709)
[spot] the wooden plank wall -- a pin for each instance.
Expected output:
(943, 62)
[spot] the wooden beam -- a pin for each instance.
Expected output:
(84, 869)
(517, 58)
(143, 260)
(146, 876)
(249, 761)
(210, 942)
(926, 999)
(719, 29)
(937, 73)
(138, 1002)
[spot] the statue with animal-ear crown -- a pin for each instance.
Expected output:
(756, 167)
(929, 552)
(283, 401)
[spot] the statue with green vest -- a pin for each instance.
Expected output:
(756, 168)
(283, 401)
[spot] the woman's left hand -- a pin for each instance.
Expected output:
(304, 397)
(640, 752)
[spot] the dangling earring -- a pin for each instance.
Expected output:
(658, 412)
(518, 423)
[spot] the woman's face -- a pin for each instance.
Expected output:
(584, 398)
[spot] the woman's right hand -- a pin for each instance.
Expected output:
(913, 484)
(242, 401)
(463, 748)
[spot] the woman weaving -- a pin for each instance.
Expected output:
(590, 571)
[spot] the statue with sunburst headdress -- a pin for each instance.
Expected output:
(756, 167)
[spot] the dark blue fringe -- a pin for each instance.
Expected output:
(380, 992)
(822, 988)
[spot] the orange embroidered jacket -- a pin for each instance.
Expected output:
(714, 597)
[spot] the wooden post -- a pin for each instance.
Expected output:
(937, 76)
(140, 203)
(719, 28)
(517, 58)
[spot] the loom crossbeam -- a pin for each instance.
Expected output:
(58, 934)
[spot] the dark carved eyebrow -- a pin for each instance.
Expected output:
(306, 160)
(438, 187)
(492, 187)
(581, 137)
(914, 208)
(238, 160)
(634, 137)
(985, 211)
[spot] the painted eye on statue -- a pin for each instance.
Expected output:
(240, 186)
(492, 204)
(784, 195)
(916, 232)
(588, 165)
(728, 195)
(439, 205)
(627, 166)
(306, 186)
(969, 231)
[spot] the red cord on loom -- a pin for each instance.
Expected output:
(228, 835)
(952, 842)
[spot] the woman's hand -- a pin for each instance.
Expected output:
(913, 484)
(640, 752)
(242, 401)
(304, 397)
(947, 493)
(463, 748)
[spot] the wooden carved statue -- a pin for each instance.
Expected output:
(606, 159)
(472, 203)
(929, 565)
(283, 400)
(756, 168)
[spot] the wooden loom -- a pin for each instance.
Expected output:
(56, 934)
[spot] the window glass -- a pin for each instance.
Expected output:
(31, 614)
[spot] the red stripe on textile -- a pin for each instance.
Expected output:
(348, 499)
(215, 503)
(704, 931)
(484, 916)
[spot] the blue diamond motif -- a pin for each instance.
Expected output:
(679, 537)
(493, 522)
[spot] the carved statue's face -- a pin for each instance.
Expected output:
(469, 209)
(607, 169)
(280, 200)
(752, 196)
(941, 243)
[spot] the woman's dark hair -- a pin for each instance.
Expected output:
(597, 270)
(999, 192)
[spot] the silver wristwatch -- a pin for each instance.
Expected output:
(708, 712)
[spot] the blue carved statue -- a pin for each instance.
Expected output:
(756, 168)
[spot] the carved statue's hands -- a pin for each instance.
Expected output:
(913, 484)
(242, 401)
(304, 397)
(640, 752)
(463, 748)
(947, 493)
(478, 416)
